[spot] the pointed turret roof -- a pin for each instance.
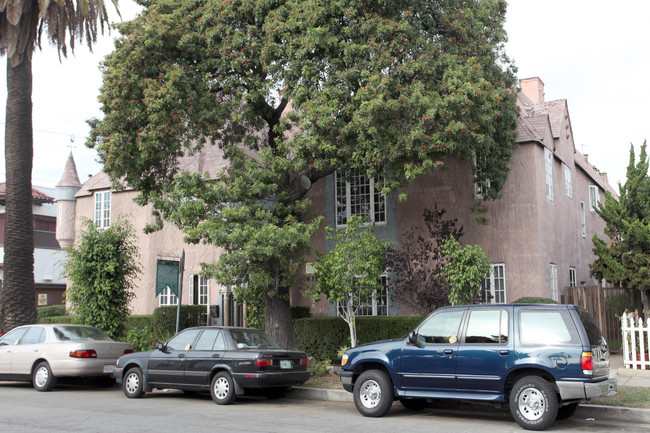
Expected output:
(70, 176)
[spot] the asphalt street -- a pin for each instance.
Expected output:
(79, 408)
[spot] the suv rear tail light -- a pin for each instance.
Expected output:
(83, 354)
(587, 363)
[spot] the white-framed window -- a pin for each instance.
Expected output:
(493, 288)
(568, 181)
(190, 290)
(548, 158)
(553, 281)
(359, 197)
(166, 298)
(203, 290)
(480, 190)
(103, 209)
(583, 219)
(375, 304)
(572, 277)
(594, 198)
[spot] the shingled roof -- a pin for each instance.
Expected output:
(38, 197)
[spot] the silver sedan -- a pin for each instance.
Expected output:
(42, 353)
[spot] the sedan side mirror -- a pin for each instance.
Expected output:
(160, 346)
(413, 338)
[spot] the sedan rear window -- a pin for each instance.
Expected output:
(79, 333)
(252, 339)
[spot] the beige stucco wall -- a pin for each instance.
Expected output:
(164, 244)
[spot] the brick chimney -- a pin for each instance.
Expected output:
(533, 88)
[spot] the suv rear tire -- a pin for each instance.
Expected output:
(373, 393)
(533, 403)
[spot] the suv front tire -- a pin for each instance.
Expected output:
(373, 393)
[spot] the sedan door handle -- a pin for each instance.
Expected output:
(504, 352)
(181, 355)
(216, 355)
(448, 352)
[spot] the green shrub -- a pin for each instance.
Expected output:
(534, 300)
(51, 310)
(319, 368)
(142, 338)
(322, 337)
(164, 318)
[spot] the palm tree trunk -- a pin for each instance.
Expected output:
(17, 296)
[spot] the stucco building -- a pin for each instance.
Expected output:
(538, 239)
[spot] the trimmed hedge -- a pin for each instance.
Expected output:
(322, 337)
(164, 318)
(140, 322)
(300, 312)
(534, 300)
(51, 310)
(60, 319)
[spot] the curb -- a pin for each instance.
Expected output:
(307, 393)
(586, 411)
(613, 413)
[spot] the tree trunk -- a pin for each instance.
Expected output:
(279, 324)
(17, 297)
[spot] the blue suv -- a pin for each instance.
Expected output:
(542, 360)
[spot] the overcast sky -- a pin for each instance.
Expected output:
(592, 53)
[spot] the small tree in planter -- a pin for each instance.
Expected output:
(350, 273)
(467, 266)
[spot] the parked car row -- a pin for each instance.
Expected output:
(540, 360)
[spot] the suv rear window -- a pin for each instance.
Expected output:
(593, 332)
(547, 327)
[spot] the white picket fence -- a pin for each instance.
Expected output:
(635, 341)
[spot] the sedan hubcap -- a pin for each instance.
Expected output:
(221, 388)
(370, 394)
(41, 377)
(132, 383)
(532, 404)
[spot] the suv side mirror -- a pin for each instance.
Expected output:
(413, 338)
(160, 346)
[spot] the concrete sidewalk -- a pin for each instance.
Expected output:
(628, 376)
(624, 377)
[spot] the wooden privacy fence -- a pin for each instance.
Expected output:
(595, 300)
(635, 342)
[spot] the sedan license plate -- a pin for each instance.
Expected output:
(109, 368)
(285, 364)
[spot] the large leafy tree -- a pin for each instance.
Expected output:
(625, 258)
(292, 90)
(23, 23)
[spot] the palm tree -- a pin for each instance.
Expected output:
(22, 26)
